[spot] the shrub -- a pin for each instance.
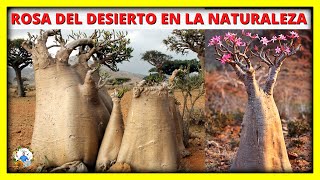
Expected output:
(154, 78)
(216, 120)
(298, 127)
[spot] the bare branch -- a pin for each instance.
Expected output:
(26, 46)
(102, 82)
(54, 45)
(241, 75)
(45, 34)
(274, 70)
(79, 42)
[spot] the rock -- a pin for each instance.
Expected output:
(120, 167)
(185, 153)
(292, 155)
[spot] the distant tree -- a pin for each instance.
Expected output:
(184, 40)
(169, 66)
(156, 59)
(18, 59)
(154, 78)
(118, 81)
(192, 89)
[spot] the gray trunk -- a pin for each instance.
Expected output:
(20, 88)
(262, 146)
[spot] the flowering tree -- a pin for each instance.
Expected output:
(262, 146)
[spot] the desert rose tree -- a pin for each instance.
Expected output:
(72, 106)
(262, 145)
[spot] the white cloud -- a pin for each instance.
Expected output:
(141, 41)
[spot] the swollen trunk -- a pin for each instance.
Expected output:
(149, 143)
(70, 117)
(262, 147)
(112, 138)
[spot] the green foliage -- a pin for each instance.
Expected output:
(216, 120)
(297, 128)
(118, 81)
(103, 73)
(156, 59)
(121, 91)
(154, 78)
(169, 66)
(187, 83)
(112, 46)
(18, 57)
(183, 40)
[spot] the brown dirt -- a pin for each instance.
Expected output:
(21, 114)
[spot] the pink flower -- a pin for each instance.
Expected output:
(278, 50)
(274, 38)
(264, 41)
(225, 58)
(215, 40)
(287, 50)
(293, 34)
(255, 36)
(238, 42)
(282, 37)
(248, 34)
(230, 36)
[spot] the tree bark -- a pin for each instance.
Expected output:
(178, 121)
(202, 63)
(149, 143)
(112, 138)
(70, 117)
(262, 146)
(71, 111)
(20, 88)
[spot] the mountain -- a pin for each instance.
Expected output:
(29, 74)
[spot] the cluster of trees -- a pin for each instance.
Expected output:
(75, 102)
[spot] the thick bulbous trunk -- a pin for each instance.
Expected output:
(70, 117)
(112, 138)
(262, 146)
(149, 140)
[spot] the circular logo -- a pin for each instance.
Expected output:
(22, 157)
